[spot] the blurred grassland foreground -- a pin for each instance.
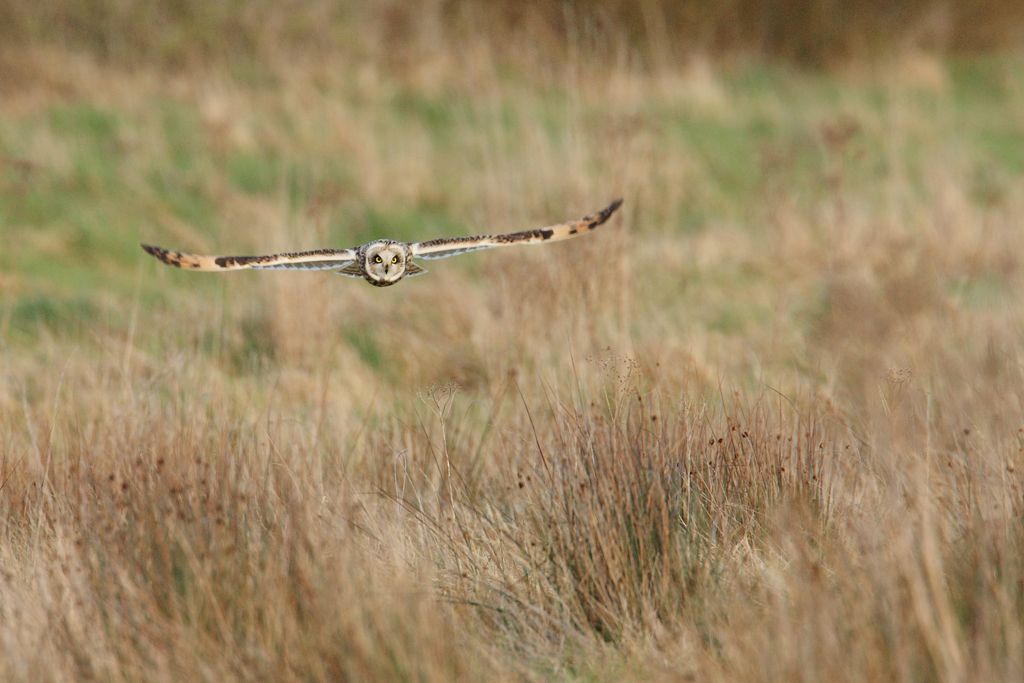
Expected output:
(765, 424)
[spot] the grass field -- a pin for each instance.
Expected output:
(765, 425)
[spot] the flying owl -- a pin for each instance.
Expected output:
(383, 263)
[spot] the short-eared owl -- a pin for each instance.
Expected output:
(383, 262)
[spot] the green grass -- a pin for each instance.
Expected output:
(180, 125)
(30, 315)
(92, 210)
(254, 172)
(772, 139)
(405, 224)
(366, 346)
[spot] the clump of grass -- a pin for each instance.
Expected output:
(609, 524)
(185, 551)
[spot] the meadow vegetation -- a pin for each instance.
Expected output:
(767, 424)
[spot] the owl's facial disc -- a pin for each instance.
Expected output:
(385, 263)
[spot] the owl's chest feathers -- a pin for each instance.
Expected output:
(381, 283)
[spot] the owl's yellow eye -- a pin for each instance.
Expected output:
(378, 259)
(394, 260)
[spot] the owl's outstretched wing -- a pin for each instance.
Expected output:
(452, 246)
(319, 259)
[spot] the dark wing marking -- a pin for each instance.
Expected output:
(353, 269)
(412, 270)
(319, 259)
(452, 246)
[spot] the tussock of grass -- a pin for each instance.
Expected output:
(625, 521)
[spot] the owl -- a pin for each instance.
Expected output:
(383, 262)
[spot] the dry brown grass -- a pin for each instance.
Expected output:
(764, 426)
(809, 32)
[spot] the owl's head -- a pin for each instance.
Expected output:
(385, 262)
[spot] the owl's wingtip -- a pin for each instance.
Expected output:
(607, 212)
(163, 255)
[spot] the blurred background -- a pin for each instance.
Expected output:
(793, 360)
(788, 168)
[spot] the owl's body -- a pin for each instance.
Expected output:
(382, 263)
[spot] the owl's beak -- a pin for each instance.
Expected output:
(387, 267)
